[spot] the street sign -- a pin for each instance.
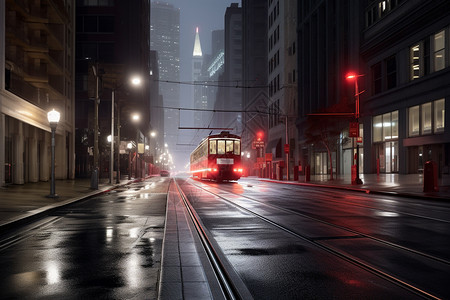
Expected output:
(353, 130)
(268, 157)
(257, 144)
(286, 148)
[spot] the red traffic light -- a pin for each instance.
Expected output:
(259, 136)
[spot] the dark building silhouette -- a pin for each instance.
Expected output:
(254, 76)
(115, 37)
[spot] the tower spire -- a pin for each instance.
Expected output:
(197, 47)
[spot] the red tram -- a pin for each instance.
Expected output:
(218, 157)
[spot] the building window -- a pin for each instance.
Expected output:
(414, 121)
(394, 124)
(377, 78)
(439, 115)
(426, 118)
(385, 127)
(377, 128)
(439, 50)
(391, 72)
(415, 61)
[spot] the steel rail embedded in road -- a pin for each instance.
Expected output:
(374, 270)
(356, 232)
(225, 281)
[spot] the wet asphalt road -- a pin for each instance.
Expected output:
(302, 264)
(107, 247)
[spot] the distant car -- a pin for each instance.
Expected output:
(164, 173)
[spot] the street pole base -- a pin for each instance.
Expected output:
(52, 196)
(357, 181)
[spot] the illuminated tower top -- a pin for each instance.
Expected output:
(197, 47)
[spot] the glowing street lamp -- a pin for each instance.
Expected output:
(136, 80)
(53, 118)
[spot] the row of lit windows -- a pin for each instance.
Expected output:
(428, 55)
(427, 118)
(225, 147)
(424, 119)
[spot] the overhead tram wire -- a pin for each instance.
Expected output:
(205, 83)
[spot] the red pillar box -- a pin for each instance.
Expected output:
(430, 177)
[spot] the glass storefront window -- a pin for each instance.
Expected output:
(387, 135)
(385, 127)
(377, 128)
(394, 124)
(426, 118)
(439, 115)
(413, 121)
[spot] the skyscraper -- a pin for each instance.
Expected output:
(165, 39)
(230, 97)
(197, 66)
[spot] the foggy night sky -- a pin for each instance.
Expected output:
(208, 15)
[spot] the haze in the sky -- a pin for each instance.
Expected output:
(207, 15)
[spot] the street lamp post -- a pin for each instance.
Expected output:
(53, 118)
(136, 118)
(94, 178)
(111, 160)
(129, 146)
(136, 81)
(354, 77)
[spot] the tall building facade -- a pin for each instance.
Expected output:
(165, 39)
(37, 75)
(406, 53)
(255, 98)
(230, 93)
(328, 44)
(282, 77)
(199, 98)
(113, 37)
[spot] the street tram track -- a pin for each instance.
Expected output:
(358, 233)
(317, 243)
(228, 288)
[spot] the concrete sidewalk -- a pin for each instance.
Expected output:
(410, 185)
(20, 202)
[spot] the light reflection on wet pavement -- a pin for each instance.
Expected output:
(108, 247)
